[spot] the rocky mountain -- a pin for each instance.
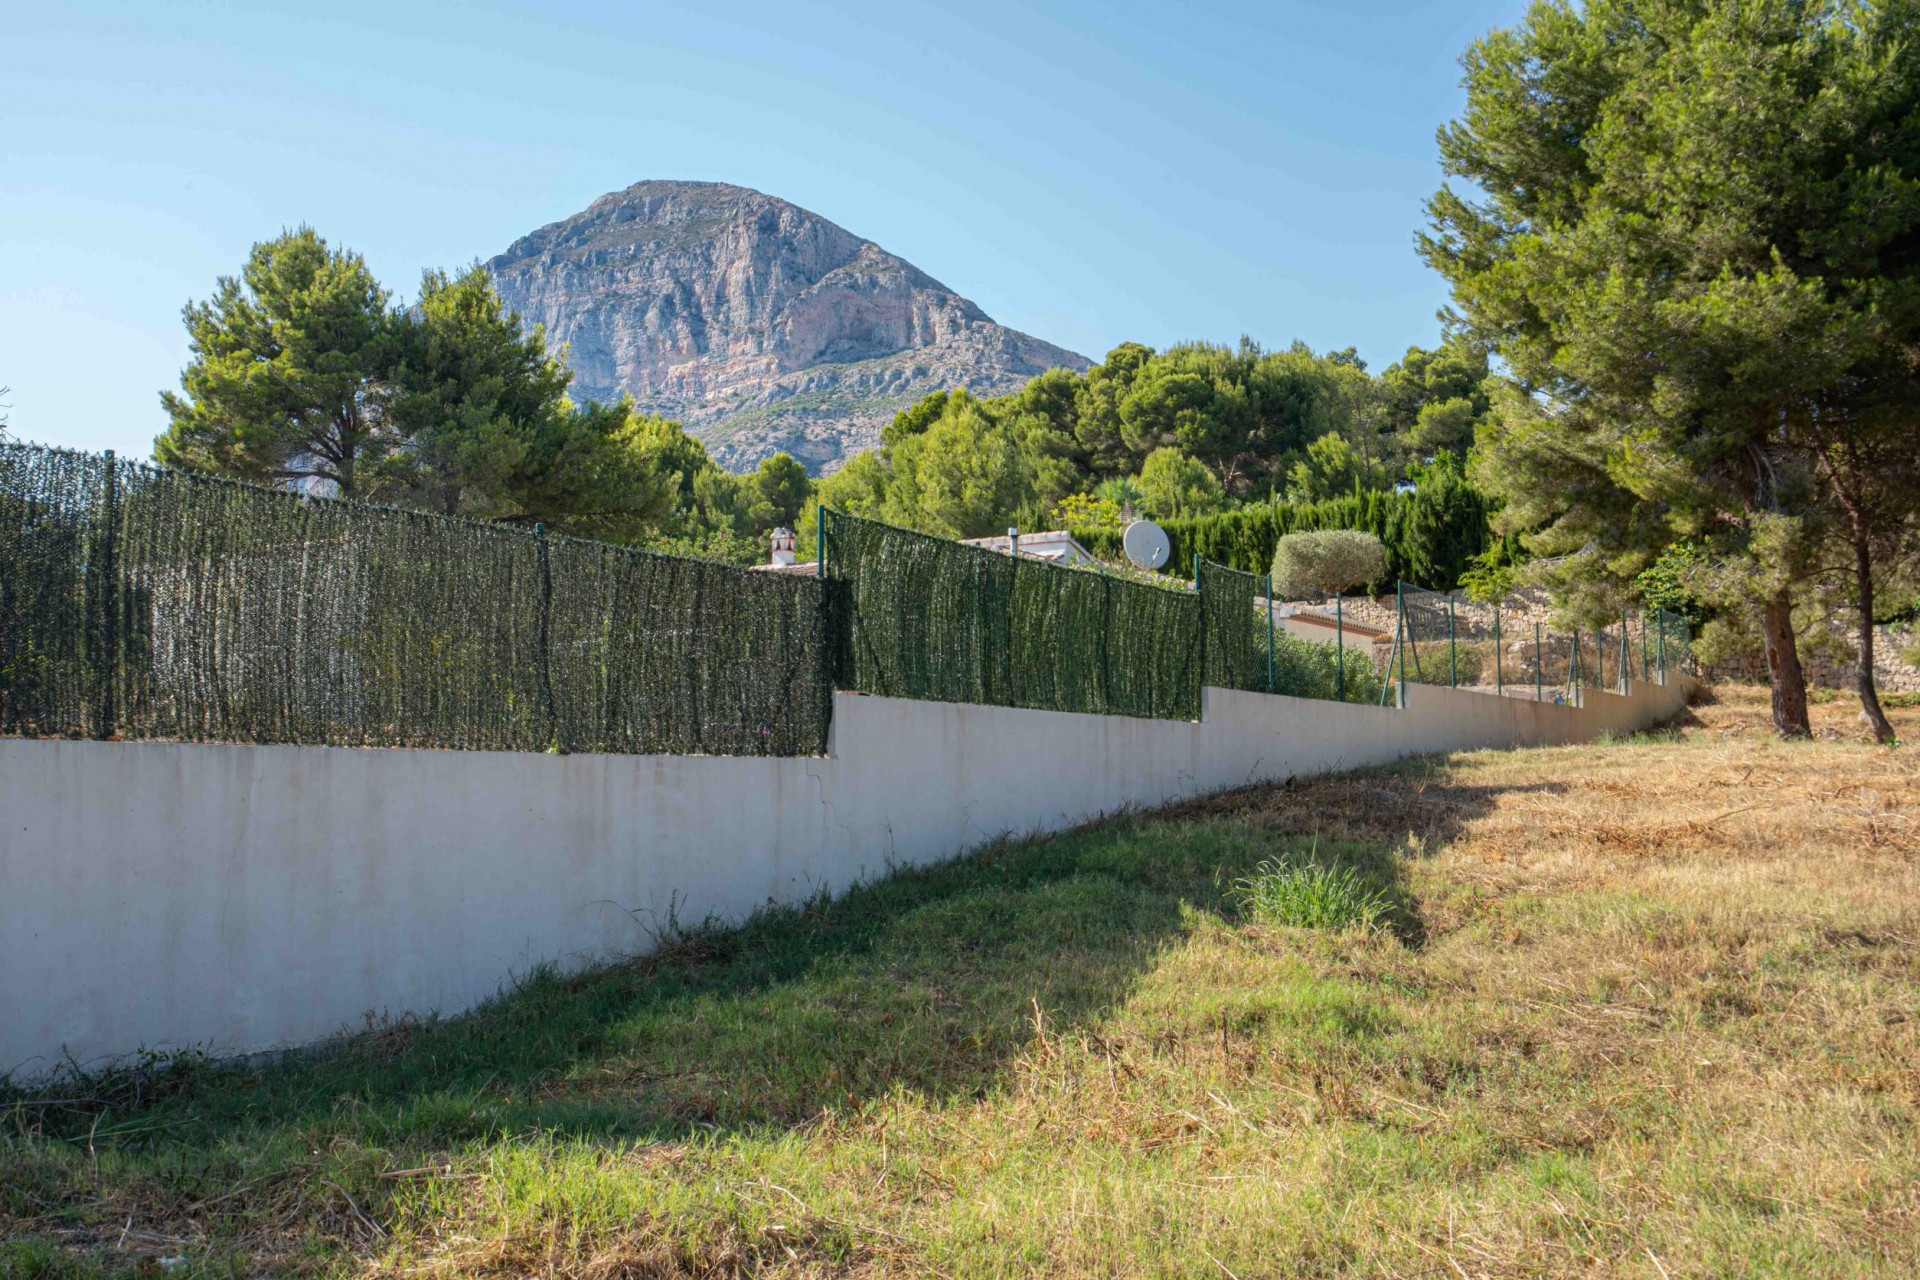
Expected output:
(759, 325)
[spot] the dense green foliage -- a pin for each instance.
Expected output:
(1693, 236)
(304, 372)
(1316, 669)
(1432, 533)
(1177, 434)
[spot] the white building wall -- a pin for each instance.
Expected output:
(240, 898)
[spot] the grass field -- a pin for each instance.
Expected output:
(1643, 1008)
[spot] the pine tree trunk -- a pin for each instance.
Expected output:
(1863, 680)
(1783, 669)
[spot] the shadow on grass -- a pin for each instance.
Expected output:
(929, 981)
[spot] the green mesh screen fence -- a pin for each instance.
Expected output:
(924, 617)
(1234, 658)
(52, 608)
(1447, 639)
(143, 603)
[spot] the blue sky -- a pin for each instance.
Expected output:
(1089, 173)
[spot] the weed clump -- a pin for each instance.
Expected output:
(1311, 896)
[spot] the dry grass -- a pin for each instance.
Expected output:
(1649, 1008)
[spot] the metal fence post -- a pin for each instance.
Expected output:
(1400, 611)
(1661, 615)
(1269, 633)
(1499, 681)
(1339, 651)
(1453, 660)
(1573, 670)
(1393, 660)
(1539, 665)
(109, 604)
(1626, 653)
(820, 542)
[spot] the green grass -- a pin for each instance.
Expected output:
(1611, 1018)
(1311, 895)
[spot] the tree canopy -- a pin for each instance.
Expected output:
(1184, 432)
(1690, 235)
(305, 372)
(288, 380)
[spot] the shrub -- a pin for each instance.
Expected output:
(1911, 654)
(1311, 896)
(1432, 535)
(1428, 663)
(1327, 561)
(1311, 669)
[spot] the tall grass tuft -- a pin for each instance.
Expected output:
(1311, 896)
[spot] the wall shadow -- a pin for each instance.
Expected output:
(928, 980)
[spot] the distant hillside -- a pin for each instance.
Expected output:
(759, 325)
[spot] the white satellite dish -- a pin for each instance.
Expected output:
(1146, 544)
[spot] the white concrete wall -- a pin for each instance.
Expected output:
(240, 898)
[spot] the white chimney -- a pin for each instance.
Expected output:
(783, 545)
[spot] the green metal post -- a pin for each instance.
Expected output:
(820, 542)
(1269, 633)
(1539, 665)
(1499, 681)
(1626, 653)
(1339, 651)
(1393, 658)
(1662, 615)
(1573, 669)
(1400, 630)
(1453, 660)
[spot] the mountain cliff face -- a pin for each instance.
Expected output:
(760, 326)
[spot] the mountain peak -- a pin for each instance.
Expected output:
(760, 325)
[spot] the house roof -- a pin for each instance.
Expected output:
(1348, 625)
(1030, 543)
(1054, 541)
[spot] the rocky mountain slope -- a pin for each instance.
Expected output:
(759, 325)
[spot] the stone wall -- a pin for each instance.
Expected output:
(1891, 672)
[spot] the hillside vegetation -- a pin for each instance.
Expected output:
(1642, 1008)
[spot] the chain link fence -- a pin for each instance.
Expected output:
(137, 602)
(1443, 638)
(1250, 645)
